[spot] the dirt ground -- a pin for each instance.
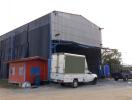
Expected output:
(104, 90)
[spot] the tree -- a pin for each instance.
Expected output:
(111, 56)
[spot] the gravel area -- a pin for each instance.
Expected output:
(104, 90)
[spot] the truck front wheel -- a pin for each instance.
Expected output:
(75, 84)
(94, 82)
(116, 79)
(125, 78)
(62, 84)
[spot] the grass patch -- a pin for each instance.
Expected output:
(4, 84)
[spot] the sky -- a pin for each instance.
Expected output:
(115, 16)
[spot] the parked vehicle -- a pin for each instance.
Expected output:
(71, 69)
(124, 74)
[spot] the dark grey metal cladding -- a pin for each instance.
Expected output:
(12, 46)
(39, 32)
(14, 32)
(33, 35)
(75, 28)
(13, 43)
(38, 41)
(31, 39)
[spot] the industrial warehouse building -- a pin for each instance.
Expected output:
(54, 32)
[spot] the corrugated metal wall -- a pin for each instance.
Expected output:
(75, 28)
(38, 41)
(28, 40)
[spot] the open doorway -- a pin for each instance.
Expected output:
(93, 54)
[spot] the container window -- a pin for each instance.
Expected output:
(12, 71)
(21, 71)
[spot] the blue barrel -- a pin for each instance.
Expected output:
(107, 71)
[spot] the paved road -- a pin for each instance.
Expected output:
(104, 90)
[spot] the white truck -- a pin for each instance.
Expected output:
(71, 68)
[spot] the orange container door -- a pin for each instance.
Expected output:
(16, 73)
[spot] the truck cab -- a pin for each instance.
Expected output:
(71, 69)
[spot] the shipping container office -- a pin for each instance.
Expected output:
(42, 37)
(28, 70)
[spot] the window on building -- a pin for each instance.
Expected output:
(12, 71)
(21, 71)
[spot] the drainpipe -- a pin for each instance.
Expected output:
(49, 49)
(27, 53)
